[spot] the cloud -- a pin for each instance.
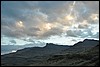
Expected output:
(96, 35)
(29, 40)
(51, 32)
(81, 33)
(74, 33)
(48, 18)
(11, 32)
(13, 41)
(83, 24)
(93, 6)
(74, 40)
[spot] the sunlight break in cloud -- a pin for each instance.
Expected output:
(19, 24)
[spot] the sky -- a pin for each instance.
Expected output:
(40, 22)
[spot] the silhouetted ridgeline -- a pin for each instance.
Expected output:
(84, 53)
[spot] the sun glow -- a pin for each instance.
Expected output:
(19, 24)
(44, 27)
(48, 26)
(69, 17)
(94, 17)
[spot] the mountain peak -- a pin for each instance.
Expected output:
(87, 42)
(50, 45)
(55, 46)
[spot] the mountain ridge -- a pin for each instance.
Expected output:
(53, 54)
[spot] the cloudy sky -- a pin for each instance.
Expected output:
(62, 22)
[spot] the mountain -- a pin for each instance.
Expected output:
(5, 49)
(50, 48)
(9, 48)
(87, 43)
(55, 46)
(85, 53)
(82, 45)
(89, 57)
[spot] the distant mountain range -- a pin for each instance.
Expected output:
(84, 53)
(9, 48)
(5, 49)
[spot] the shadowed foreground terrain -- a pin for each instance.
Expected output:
(84, 53)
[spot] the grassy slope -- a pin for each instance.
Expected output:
(86, 58)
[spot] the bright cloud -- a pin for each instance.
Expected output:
(19, 24)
